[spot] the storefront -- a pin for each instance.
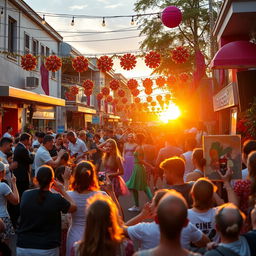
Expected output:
(20, 108)
(111, 120)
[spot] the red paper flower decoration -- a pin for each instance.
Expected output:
(100, 96)
(80, 64)
(69, 96)
(105, 91)
(105, 63)
(115, 101)
(109, 99)
(74, 90)
(159, 98)
(28, 62)
(121, 93)
(167, 96)
(147, 83)
(184, 77)
(149, 99)
(145, 104)
(88, 84)
(137, 100)
(88, 92)
(132, 84)
(160, 81)
(153, 103)
(135, 92)
(153, 109)
(171, 80)
(114, 84)
(128, 61)
(53, 63)
(124, 100)
(153, 59)
(180, 54)
(148, 91)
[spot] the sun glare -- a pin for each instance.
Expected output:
(172, 113)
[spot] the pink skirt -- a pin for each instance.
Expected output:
(119, 186)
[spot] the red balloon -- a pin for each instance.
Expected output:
(171, 16)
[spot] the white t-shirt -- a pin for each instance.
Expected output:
(245, 173)
(148, 234)
(35, 143)
(7, 135)
(5, 190)
(8, 175)
(205, 221)
(78, 147)
(42, 157)
(189, 167)
(241, 246)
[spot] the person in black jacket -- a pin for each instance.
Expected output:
(23, 157)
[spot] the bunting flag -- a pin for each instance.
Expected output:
(45, 79)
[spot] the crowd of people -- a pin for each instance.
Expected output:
(60, 195)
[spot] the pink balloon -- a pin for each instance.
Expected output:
(171, 16)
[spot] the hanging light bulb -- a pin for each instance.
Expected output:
(132, 21)
(43, 20)
(73, 21)
(2, 11)
(103, 22)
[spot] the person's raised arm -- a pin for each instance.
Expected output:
(13, 197)
(55, 163)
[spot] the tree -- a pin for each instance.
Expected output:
(192, 32)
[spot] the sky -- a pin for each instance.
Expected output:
(96, 8)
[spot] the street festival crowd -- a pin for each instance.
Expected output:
(60, 194)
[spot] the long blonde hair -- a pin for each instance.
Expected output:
(113, 157)
(103, 231)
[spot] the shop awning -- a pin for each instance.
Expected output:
(234, 55)
(80, 109)
(16, 93)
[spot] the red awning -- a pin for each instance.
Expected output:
(234, 55)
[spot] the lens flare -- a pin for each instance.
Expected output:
(172, 113)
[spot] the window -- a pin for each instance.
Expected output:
(35, 48)
(12, 35)
(26, 44)
(47, 51)
(42, 53)
(53, 73)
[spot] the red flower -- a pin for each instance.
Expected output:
(121, 93)
(53, 63)
(80, 64)
(114, 84)
(88, 84)
(171, 80)
(135, 92)
(105, 63)
(160, 81)
(149, 99)
(128, 61)
(28, 62)
(147, 83)
(105, 91)
(180, 54)
(153, 59)
(74, 90)
(137, 100)
(148, 91)
(132, 84)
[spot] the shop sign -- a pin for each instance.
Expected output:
(88, 118)
(43, 115)
(224, 98)
(96, 120)
(60, 129)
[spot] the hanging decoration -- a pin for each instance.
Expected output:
(28, 62)
(88, 84)
(74, 90)
(115, 101)
(171, 16)
(80, 64)
(128, 61)
(109, 99)
(159, 98)
(53, 63)
(99, 96)
(171, 80)
(135, 92)
(149, 99)
(124, 100)
(153, 103)
(105, 91)
(153, 59)
(132, 84)
(168, 96)
(137, 100)
(105, 63)
(114, 84)
(153, 109)
(160, 81)
(180, 55)
(147, 83)
(121, 93)
(69, 96)
(88, 92)
(148, 91)
(184, 77)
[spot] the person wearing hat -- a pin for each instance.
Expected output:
(12, 196)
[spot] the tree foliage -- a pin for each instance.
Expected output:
(192, 32)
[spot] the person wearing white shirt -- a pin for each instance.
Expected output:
(43, 157)
(8, 134)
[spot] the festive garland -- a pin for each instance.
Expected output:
(74, 90)
(115, 101)
(124, 100)
(128, 61)
(53, 63)
(99, 96)
(69, 96)
(159, 98)
(137, 100)
(171, 80)
(147, 83)
(109, 99)
(184, 77)
(105, 91)
(180, 55)
(105, 63)
(28, 62)
(160, 81)
(149, 99)
(132, 84)
(88, 92)
(148, 91)
(167, 97)
(153, 59)
(114, 84)
(88, 84)
(80, 64)
(135, 92)
(121, 93)
(153, 103)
